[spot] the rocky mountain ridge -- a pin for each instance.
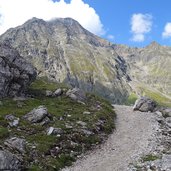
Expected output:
(149, 65)
(63, 51)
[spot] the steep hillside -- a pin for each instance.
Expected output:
(64, 51)
(149, 68)
(48, 132)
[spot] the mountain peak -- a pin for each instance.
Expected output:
(154, 44)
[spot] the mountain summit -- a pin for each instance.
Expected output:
(63, 51)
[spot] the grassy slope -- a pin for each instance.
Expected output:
(57, 107)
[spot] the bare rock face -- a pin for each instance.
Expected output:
(15, 73)
(149, 66)
(144, 104)
(15, 143)
(12, 120)
(8, 161)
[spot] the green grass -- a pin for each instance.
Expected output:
(131, 99)
(59, 107)
(149, 157)
(157, 96)
(3, 132)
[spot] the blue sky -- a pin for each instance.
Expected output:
(116, 18)
(131, 22)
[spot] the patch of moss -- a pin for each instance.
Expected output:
(149, 157)
(81, 65)
(158, 97)
(3, 132)
(131, 99)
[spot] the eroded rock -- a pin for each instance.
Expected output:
(37, 115)
(58, 92)
(145, 104)
(54, 131)
(13, 121)
(49, 93)
(16, 74)
(76, 94)
(8, 161)
(15, 143)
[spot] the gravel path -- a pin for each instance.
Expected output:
(134, 137)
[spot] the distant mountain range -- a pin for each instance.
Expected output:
(64, 51)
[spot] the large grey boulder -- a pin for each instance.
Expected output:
(76, 94)
(145, 104)
(8, 161)
(166, 112)
(15, 73)
(37, 115)
(58, 92)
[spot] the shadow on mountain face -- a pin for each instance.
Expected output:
(114, 95)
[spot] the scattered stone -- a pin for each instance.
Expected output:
(87, 132)
(45, 121)
(166, 112)
(86, 113)
(76, 94)
(55, 151)
(37, 114)
(58, 92)
(13, 121)
(83, 124)
(145, 104)
(54, 131)
(20, 104)
(8, 161)
(68, 126)
(168, 121)
(49, 93)
(166, 162)
(15, 143)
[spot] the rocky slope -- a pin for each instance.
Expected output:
(15, 73)
(49, 132)
(149, 67)
(64, 51)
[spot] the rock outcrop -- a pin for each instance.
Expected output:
(76, 94)
(37, 115)
(8, 161)
(16, 74)
(145, 104)
(15, 143)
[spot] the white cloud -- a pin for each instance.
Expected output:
(167, 31)
(141, 24)
(16, 12)
(111, 37)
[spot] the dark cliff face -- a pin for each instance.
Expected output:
(64, 51)
(15, 73)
